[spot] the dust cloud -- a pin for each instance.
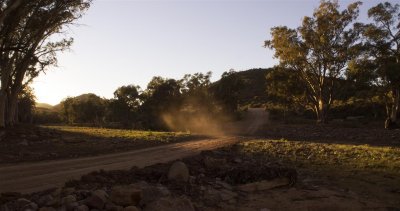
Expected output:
(206, 123)
(199, 122)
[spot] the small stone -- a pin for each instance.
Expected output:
(263, 185)
(57, 192)
(131, 208)
(227, 195)
(237, 160)
(81, 208)
(45, 200)
(112, 207)
(23, 201)
(31, 206)
(214, 163)
(2, 134)
(125, 195)
(170, 204)
(72, 206)
(25, 204)
(55, 202)
(47, 209)
(67, 191)
(68, 199)
(211, 197)
(151, 194)
(224, 185)
(178, 171)
(24, 142)
(192, 179)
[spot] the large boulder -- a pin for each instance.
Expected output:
(97, 199)
(125, 195)
(178, 171)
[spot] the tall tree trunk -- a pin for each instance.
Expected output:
(321, 110)
(5, 82)
(395, 104)
(3, 104)
(12, 112)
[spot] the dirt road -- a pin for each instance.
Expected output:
(38, 176)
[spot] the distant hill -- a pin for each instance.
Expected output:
(44, 105)
(254, 90)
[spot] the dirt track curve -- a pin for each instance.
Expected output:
(32, 177)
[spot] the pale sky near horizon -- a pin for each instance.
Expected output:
(121, 42)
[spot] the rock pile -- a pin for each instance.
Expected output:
(213, 179)
(132, 197)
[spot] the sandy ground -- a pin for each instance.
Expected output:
(42, 175)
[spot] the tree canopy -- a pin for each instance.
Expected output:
(28, 44)
(379, 61)
(318, 51)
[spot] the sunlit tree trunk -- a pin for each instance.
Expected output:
(321, 111)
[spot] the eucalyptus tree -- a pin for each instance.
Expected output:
(28, 43)
(318, 51)
(380, 60)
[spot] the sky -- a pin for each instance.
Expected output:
(122, 42)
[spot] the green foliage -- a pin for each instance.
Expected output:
(285, 89)
(86, 108)
(129, 95)
(196, 95)
(47, 116)
(379, 60)
(226, 91)
(160, 96)
(124, 106)
(31, 34)
(26, 105)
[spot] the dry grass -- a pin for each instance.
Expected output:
(324, 156)
(122, 134)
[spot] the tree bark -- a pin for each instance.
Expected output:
(5, 81)
(3, 102)
(12, 109)
(395, 104)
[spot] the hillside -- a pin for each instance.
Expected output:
(253, 91)
(44, 105)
